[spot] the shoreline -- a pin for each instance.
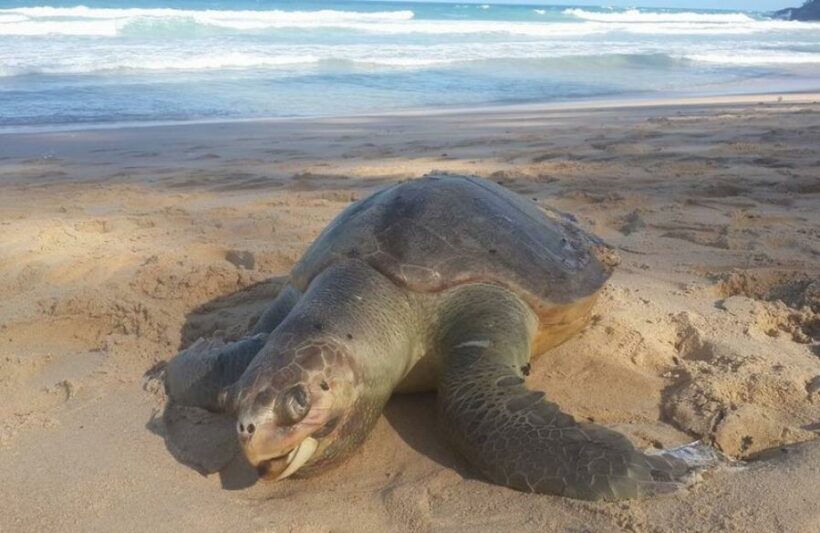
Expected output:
(594, 104)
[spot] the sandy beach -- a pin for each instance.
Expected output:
(119, 247)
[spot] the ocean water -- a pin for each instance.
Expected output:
(125, 61)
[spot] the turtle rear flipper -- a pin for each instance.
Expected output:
(511, 433)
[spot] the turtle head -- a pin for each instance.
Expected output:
(293, 414)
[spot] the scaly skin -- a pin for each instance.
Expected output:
(509, 432)
(278, 310)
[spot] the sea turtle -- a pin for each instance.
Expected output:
(445, 282)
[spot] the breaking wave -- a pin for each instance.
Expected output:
(86, 21)
(81, 20)
(638, 16)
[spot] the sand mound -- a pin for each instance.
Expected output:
(731, 392)
(794, 288)
(788, 301)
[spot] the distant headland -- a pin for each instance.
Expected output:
(808, 11)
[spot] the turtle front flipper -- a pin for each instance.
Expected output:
(511, 433)
(200, 375)
(278, 310)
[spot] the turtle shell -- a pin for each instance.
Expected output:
(437, 232)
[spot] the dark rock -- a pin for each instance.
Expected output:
(808, 11)
(241, 259)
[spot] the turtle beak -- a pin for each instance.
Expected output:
(271, 469)
(282, 467)
(274, 454)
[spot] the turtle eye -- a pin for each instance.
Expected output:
(293, 405)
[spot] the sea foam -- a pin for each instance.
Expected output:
(109, 22)
(638, 16)
(83, 20)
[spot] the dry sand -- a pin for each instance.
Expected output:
(118, 247)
